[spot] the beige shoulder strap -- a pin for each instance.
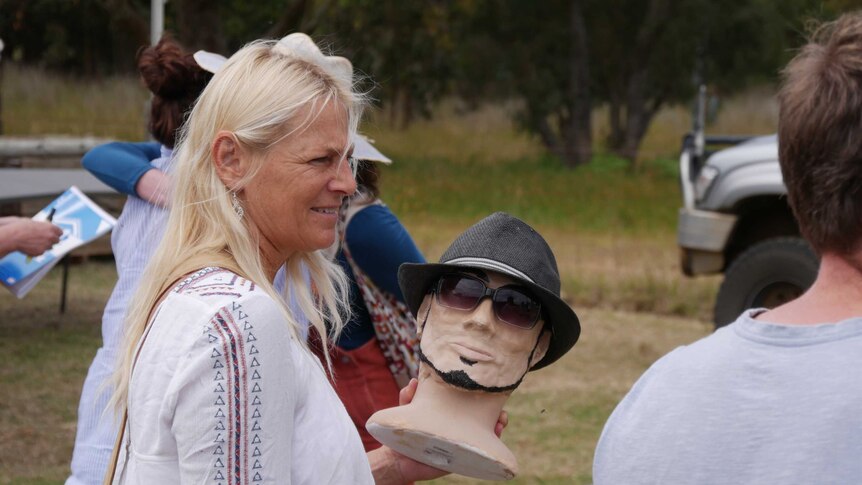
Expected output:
(115, 454)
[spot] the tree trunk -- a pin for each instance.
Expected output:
(393, 106)
(406, 110)
(615, 136)
(577, 128)
(551, 140)
(399, 108)
(637, 125)
(640, 107)
(199, 26)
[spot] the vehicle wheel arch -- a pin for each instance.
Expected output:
(759, 218)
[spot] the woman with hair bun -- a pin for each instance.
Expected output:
(175, 80)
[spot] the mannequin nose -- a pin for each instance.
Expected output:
(483, 315)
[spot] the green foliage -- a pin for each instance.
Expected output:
(95, 37)
(534, 52)
(405, 47)
(82, 37)
(735, 42)
(557, 58)
(604, 196)
(641, 56)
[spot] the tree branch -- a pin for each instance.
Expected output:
(548, 137)
(309, 23)
(129, 19)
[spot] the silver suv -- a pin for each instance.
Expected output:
(735, 220)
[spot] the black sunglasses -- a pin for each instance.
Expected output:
(512, 304)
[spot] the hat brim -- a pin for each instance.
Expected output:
(416, 280)
(364, 150)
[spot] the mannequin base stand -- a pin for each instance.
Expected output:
(469, 450)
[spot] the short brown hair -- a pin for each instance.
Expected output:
(820, 136)
(176, 81)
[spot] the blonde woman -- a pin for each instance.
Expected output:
(218, 385)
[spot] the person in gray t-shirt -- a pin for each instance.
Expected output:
(773, 397)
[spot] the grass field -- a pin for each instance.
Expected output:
(613, 231)
(556, 415)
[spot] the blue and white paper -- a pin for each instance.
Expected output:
(81, 221)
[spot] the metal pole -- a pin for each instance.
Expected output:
(700, 123)
(157, 20)
(1, 83)
(157, 26)
(64, 285)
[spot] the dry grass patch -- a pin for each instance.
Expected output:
(46, 357)
(38, 103)
(624, 272)
(486, 136)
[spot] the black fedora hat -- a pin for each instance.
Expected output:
(507, 245)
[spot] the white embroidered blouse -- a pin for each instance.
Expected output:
(222, 394)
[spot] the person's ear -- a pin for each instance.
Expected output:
(227, 157)
(422, 314)
(541, 347)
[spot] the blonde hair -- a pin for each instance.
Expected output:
(261, 95)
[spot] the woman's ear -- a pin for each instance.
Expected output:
(227, 156)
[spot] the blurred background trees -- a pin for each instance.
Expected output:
(555, 61)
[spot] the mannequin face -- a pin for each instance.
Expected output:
(474, 349)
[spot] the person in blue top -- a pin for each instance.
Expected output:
(127, 169)
(374, 356)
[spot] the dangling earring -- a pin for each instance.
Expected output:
(237, 207)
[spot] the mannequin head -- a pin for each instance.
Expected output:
(487, 313)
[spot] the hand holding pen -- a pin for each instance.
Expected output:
(36, 237)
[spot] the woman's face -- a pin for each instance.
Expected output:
(294, 198)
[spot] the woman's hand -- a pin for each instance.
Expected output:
(390, 467)
(28, 236)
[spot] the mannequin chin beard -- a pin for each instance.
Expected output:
(460, 378)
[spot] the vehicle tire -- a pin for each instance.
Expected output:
(767, 274)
